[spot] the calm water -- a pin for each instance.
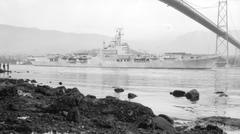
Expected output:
(151, 85)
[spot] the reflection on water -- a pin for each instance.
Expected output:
(221, 85)
(151, 85)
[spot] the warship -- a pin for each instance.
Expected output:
(117, 54)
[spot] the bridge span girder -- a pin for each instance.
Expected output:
(189, 11)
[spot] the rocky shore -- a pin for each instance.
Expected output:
(27, 107)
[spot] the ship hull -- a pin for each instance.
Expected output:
(204, 63)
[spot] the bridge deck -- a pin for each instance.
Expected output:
(188, 10)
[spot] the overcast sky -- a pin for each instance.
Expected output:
(138, 17)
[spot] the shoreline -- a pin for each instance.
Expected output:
(27, 107)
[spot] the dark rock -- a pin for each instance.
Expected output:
(234, 122)
(91, 96)
(27, 80)
(48, 91)
(178, 93)
(219, 92)
(170, 120)
(131, 96)
(162, 123)
(181, 128)
(70, 99)
(209, 129)
(20, 81)
(33, 81)
(223, 95)
(45, 90)
(119, 90)
(60, 90)
(145, 122)
(124, 110)
(192, 95)
(214, 128)
(14, 81)
(111, 97)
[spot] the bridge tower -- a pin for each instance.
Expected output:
(222, 47)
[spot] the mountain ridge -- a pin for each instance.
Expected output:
(36, 41)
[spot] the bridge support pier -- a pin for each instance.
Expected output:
(222, 47)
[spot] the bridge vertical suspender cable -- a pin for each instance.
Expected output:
(189, 11)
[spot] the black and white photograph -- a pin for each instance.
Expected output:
(119, 66)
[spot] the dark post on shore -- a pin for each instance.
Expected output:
(5, 67)
(8, 67)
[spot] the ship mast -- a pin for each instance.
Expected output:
(118, 37)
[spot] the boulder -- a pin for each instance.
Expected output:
(214, 128)
(178, 93)
(119, 90)
(232, 122)
(33, 81)
(170, 120)
(131, 96)
(60, 90)
(91, 96)
(124, 110)
(27, 80)
(209, 129)
(145, 122)
(70, 99)
(162, 123)
(45, 90)
(192, 95)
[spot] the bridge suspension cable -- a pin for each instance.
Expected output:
(191, 12)
(201, 7)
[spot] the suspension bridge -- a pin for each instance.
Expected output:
(194, 14)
